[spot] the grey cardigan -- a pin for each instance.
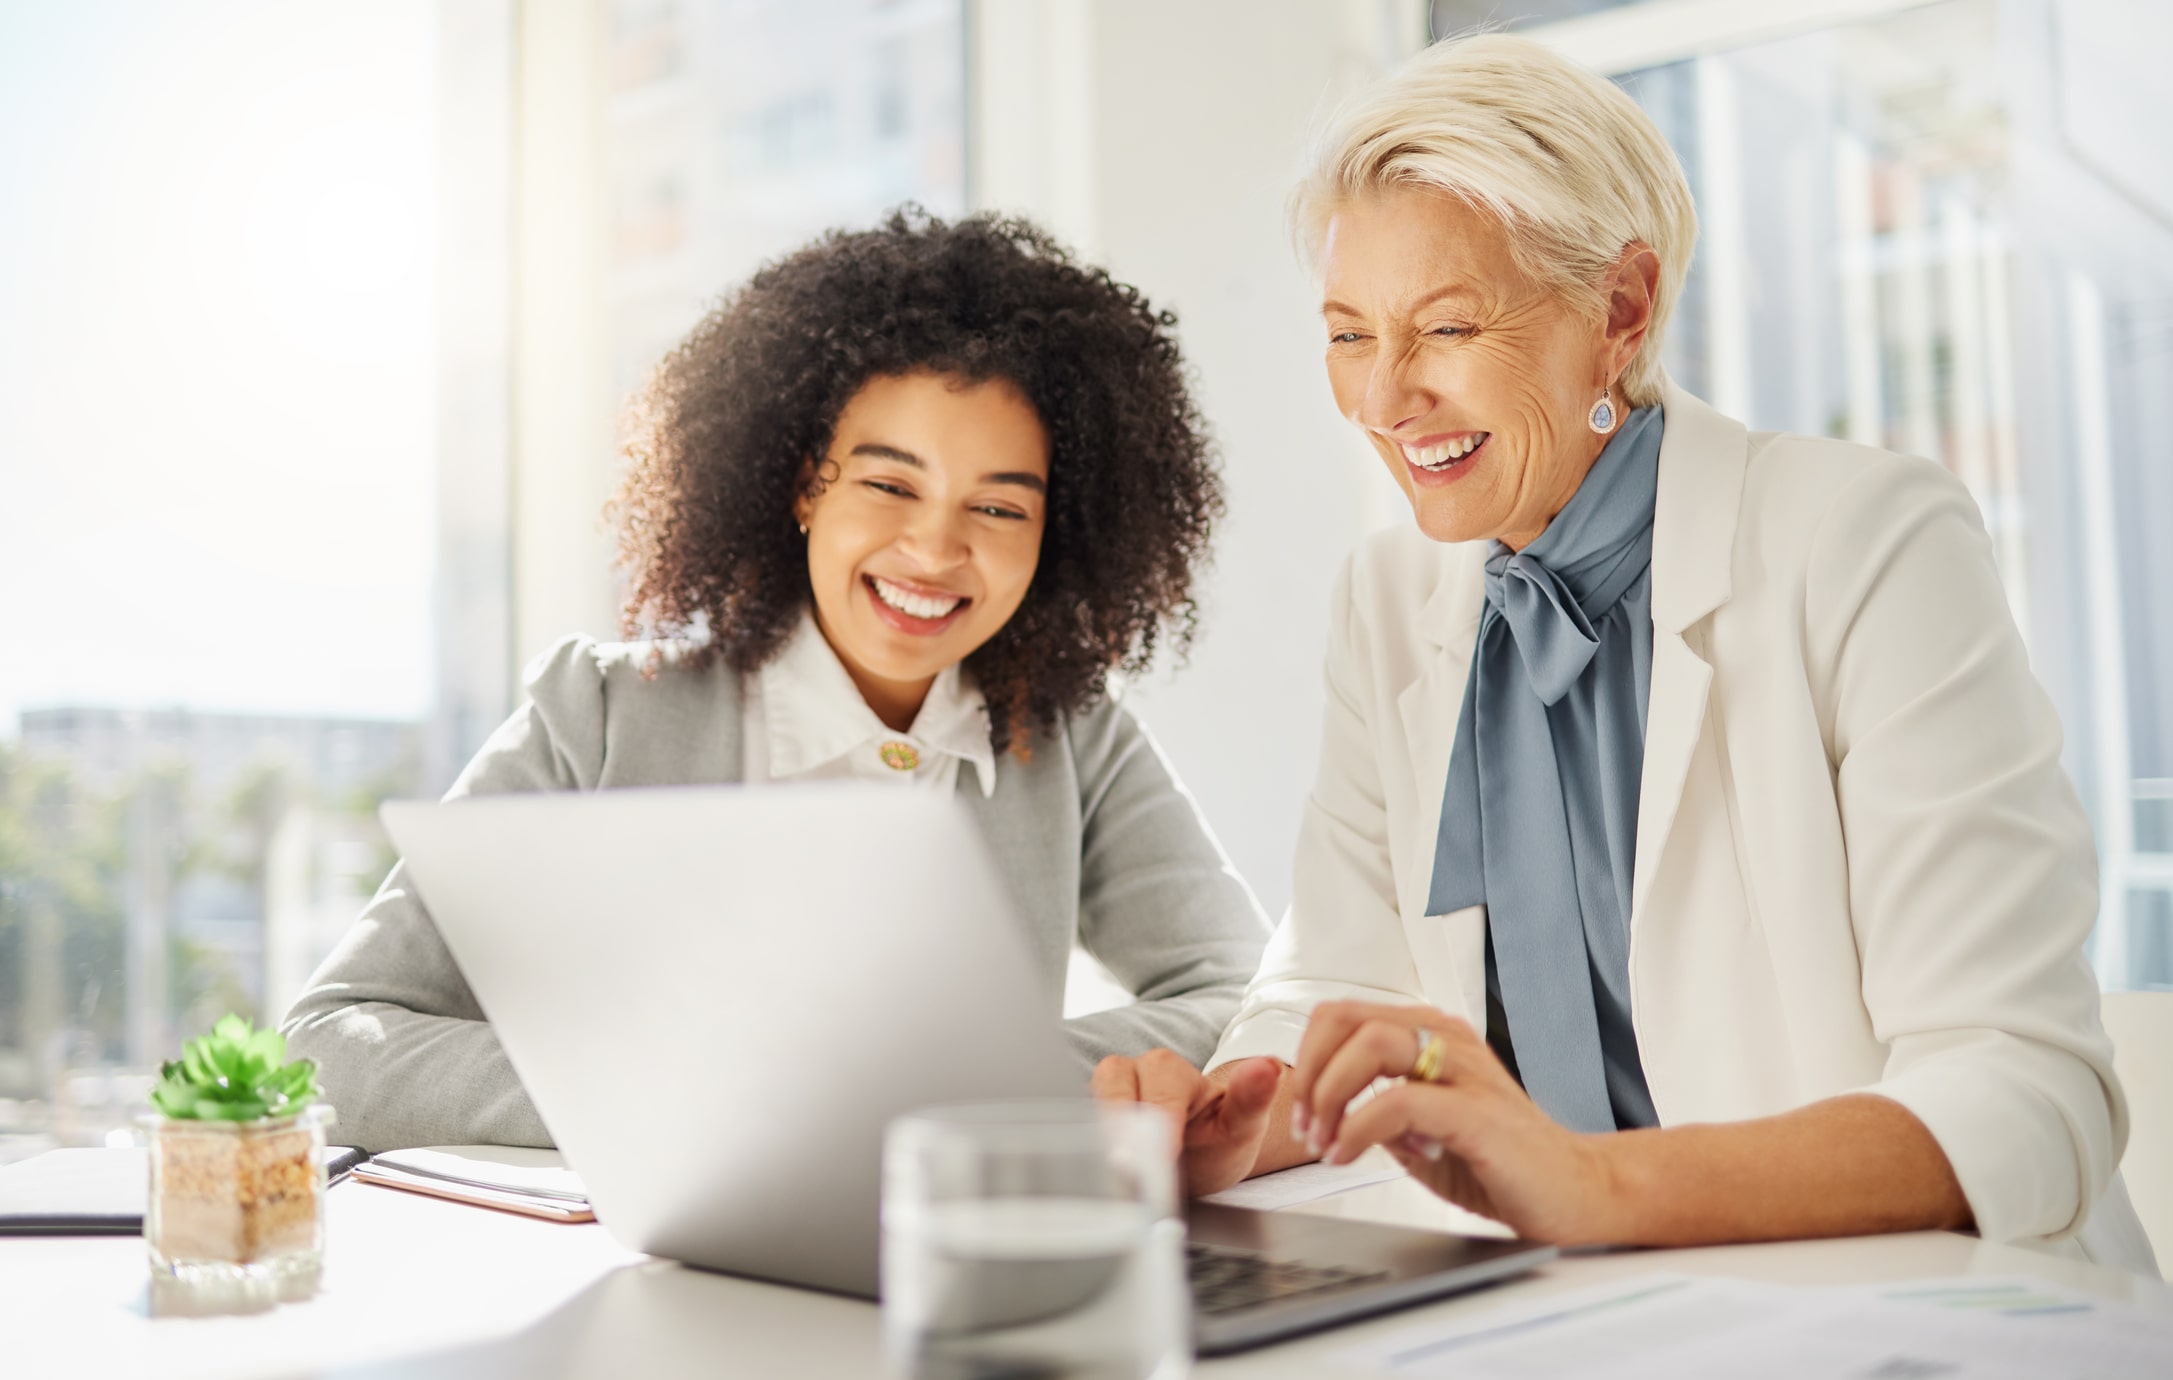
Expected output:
(1098, 842)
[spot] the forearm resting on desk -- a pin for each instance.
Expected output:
(400, 1078)
(1848, 1166)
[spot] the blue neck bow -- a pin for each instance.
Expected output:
(1539, 812)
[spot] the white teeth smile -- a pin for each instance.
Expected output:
(1446, 454)
(910, 604)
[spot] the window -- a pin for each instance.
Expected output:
(217, 407)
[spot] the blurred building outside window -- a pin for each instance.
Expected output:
(737, 130)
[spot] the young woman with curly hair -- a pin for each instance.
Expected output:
(895, 510)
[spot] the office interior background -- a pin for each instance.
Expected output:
(315, 321)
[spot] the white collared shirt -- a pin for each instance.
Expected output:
(802, 719)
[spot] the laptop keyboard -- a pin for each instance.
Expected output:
(1226, 1280)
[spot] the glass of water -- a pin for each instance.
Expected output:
(1034, 1239)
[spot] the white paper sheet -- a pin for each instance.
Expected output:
(1687, 1328)
(512, 1168)
(1307, 1182)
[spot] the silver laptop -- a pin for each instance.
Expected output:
(718, 997)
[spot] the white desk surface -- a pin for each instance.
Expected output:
(419, 1288)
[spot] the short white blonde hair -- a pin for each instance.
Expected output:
(1567, 162)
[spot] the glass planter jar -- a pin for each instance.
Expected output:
(235, 1215)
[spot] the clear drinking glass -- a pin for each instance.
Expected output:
(1032, 1239)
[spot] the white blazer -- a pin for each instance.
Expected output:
(1859, 864)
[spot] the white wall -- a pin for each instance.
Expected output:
(1162, 140)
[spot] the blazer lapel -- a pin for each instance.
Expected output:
(1703, 456)
(1431, 706)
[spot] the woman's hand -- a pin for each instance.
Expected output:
(1471, 1134)
(1222, 1117)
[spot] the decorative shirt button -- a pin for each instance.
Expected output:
(900, 756)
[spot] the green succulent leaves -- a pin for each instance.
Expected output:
(236, 1073)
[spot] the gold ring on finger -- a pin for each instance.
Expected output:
(1433, 1051)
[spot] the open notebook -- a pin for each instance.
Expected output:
(535, 1182)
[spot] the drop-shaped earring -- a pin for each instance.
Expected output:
(1602, 418)
(803, 529)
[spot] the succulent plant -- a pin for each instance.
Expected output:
(236, 1073)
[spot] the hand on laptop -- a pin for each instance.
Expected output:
(1465, 1129)
(1222, 1117)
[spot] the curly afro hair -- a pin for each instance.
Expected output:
(725, 436)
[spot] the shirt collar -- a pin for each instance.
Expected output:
(813, 713)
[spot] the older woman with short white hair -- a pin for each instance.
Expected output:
(1690, 852)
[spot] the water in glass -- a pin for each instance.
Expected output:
(1051, 1250)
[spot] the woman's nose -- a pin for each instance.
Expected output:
(935, 540)
(1393, 394)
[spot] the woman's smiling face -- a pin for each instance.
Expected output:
(924, 529)
(1471, 380)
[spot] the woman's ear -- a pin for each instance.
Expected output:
(1633, 289)
(807, 486)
